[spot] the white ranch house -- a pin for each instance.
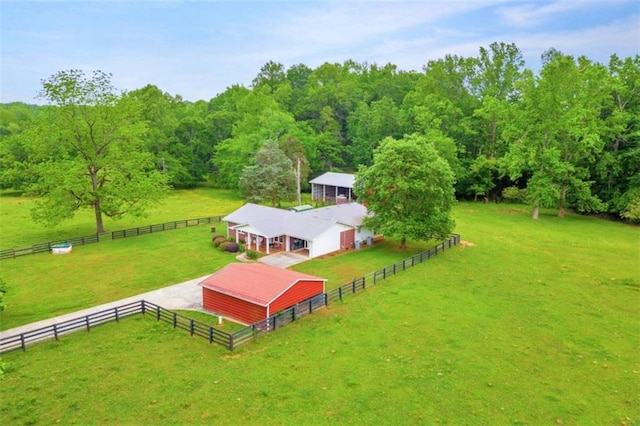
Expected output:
(314, 232)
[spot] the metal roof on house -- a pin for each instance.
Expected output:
(271, 222)
(250, 212)
(348, 214)
(292, 224)
(254, 282)
(343, 180)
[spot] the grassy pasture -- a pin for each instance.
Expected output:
(41, 286)
(18, 230)
(536, 323)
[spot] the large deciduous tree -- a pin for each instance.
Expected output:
(90, 151)
(408, 189)
(271, 178)
(617, 168)
(555, 135)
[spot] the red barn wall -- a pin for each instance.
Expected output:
(302, 290)
(232, 307)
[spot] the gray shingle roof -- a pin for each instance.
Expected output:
(343, 180)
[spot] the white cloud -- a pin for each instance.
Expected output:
(197, 49)
(533, 14)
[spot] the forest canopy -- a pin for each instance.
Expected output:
(565, 137)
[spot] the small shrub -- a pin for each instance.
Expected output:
(215, 237)
(514, 194)
(251, 254)
(232, 247)
(219, 241)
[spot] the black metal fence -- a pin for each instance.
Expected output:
(96, 238)
(195, 328)
(54, 331)
(356, 285)
(87, 322)
(212, 334)
(372, 278)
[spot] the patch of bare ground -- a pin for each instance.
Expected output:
(464, 244)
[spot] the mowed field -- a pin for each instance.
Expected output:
(42, 285)
(524, 323)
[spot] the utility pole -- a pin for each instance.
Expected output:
(298, 181)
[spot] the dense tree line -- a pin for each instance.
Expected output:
(565, 137)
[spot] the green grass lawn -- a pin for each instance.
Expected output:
(17, 229)
(340, 268)
(43, 285)
(535, 323)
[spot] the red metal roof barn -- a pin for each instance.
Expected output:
(251, 292)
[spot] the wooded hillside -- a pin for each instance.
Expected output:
(566, 136)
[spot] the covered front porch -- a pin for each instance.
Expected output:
(268, 245)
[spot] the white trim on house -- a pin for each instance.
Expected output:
(318, 229)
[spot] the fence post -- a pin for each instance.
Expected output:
(404, 265)
(24, 347)
(158, 313)
(231, 342)
(210, 334)
(191, 328)
(353, 285)
(86, 318)
(116, 311)
(375, 276)
(364, 279)
(293, 314)
(175, 320)
(143, 307)
(326, 299)
(55, 331)
(340, 293)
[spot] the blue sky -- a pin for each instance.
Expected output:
(199, 48)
